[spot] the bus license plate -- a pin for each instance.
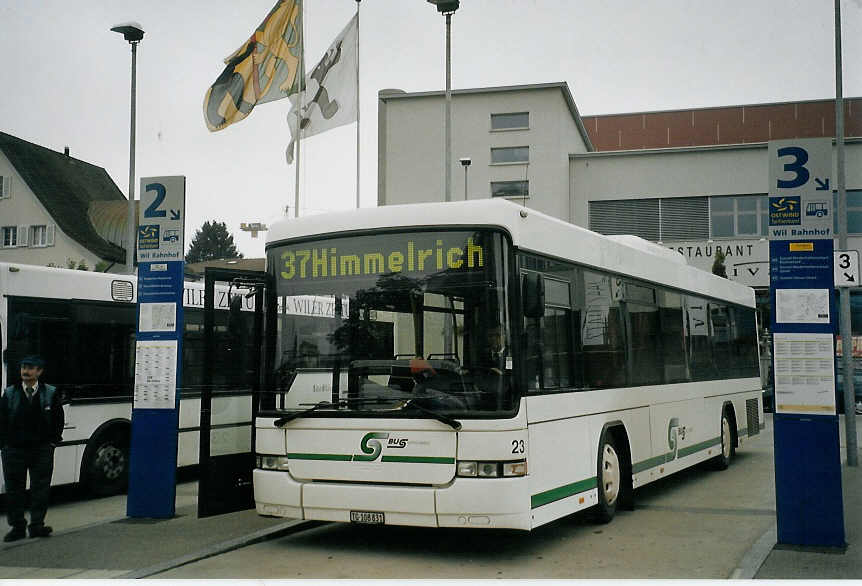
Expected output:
(366, 517)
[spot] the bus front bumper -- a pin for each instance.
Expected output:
(492, 503)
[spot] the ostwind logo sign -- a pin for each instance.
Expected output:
(785, 210)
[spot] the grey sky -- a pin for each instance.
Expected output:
(66, 78)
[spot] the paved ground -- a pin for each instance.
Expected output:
(698, 524)
(94, 539)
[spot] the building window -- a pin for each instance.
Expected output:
(657, 219)
(739, 215)
(5, 187)
(510, 189)
(10, 236)
(514, 121)
(38, 235)
(854, 211)
(510, 155)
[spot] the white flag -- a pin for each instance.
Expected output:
(330, 93)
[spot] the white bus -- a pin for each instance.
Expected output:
(479, 364)
(83, 325)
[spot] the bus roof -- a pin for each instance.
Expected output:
(23, 280)
(530, 230)
(37, 281)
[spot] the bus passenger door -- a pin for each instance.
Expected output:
(230, 377)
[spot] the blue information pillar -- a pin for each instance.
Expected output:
(809, 500)
(159, 349)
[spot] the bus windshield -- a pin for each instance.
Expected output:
(411, 324)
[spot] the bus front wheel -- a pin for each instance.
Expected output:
(106, 468)
(609, 478)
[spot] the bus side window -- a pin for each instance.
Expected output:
(41, 327)
(549, 334)
(699, 338)
(645, 358)
(104, 353)
(602, 333)
(744, 341)
(673, 342)
(557, 335)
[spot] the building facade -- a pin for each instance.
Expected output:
(56, 210)
(692, 180)
(518, 140)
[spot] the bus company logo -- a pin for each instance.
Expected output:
(785, 210)
(674, 434)
(372, 448)
(148, 237)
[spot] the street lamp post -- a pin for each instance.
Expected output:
(465, 162)
(447, 8)
(844, 327)
(133, 33)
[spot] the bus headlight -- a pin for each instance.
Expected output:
(272, 462)
(472, 468)
(467, 468)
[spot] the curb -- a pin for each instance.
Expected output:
(754, 558)
(286, 528)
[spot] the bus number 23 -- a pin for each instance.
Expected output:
(518, 446)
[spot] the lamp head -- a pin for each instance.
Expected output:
(131, 31)
(465, 161)
(446, 6)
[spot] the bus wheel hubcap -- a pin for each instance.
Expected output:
(610, 474)
(110, 461)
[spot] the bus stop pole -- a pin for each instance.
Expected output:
(844, 315)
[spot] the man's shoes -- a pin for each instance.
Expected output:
(15, 534)
(41, 531)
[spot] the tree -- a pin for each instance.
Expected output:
(212, 241)
(718, 264)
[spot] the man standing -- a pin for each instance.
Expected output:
(31, 424)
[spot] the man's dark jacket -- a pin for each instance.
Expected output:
(20, 423)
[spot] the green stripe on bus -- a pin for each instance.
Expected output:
(348, 458)
(419, 459)
(689, 450)
(650, 463)
(555, 494)
(669, 457)
(337, 457)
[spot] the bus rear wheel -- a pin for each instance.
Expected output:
(609, 476)
(722, 461)
(106, 468)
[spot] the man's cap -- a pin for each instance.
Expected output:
(33, 360)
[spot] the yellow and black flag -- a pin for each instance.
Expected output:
(267, 67)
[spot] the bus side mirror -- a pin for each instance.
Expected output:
(533, 295)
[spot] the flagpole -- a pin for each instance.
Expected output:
(300, 96)
(357, 103)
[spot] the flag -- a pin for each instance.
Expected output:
(330, 89)
(267, 67)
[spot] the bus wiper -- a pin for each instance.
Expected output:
(281, 421)
(453, 423)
